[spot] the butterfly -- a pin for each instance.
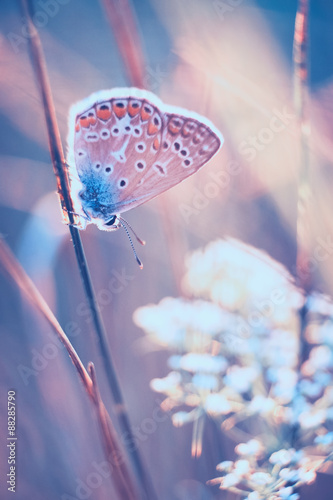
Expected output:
(125, 147)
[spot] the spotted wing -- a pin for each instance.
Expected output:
(131, 149)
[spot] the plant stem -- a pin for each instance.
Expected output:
(304, 279)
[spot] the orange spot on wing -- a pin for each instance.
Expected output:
(200, 135)
(103, 112)
(84, 122)
(152, 128)
(145, 115)
(196, 138)
(91, 118)
(133, 110)
(156, 143)
(77, 127)
(188, 129)
(173, 129)
(174, 126)
(119, 112)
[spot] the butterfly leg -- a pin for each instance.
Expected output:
(84, 219)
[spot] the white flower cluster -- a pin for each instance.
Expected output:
(283, 472)
(238, 355)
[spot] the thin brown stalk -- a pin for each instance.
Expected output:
(122, 21)
(123, 479)
(304, 280)
(300, 54)
(113, 451)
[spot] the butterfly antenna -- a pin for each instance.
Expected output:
(131, 242)
(142, 242)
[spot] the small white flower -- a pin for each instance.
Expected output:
(286, 493)
(309, 388)
(181, 417)
(241, 378)
(261, 478)
(320, 357)
(282, 457)
(176, 322)
(242, 467)
(167, 384)
(254, 495)
(290, 475)
(205, 381)
(196, 362)
(251, 448)
(306, 476)
(216, 404)
(261, 405)
(325, 439)
(312, 418)
(229, 480)
(225, 466)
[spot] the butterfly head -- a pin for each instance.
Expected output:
(110, 224)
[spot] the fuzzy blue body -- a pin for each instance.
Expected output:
(96, 196)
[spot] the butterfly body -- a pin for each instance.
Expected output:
(128, 147)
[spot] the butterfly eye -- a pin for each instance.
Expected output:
(184, 152)
(122, 183)
(105, 134)
(176, 146)
(140, 147)
(137, 132)
(140, 165)
(115, 131)
(111, 221)
(128, 129)
(97, 166)
(165, 145)
(81, 152)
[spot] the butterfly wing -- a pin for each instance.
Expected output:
(129, 149)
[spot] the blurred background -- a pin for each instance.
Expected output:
(230, 61)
